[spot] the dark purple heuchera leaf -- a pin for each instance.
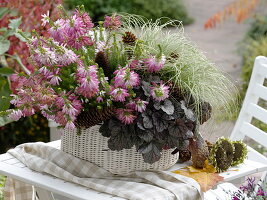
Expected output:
(158, 122)
(104, 130)
(179, 129)
(120, 141)
(188, 112)
(146, 88)
(147, 120)
(151, 153)
(168, 107)
(147, 136)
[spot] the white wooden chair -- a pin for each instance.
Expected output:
(49, 187)
(255, 162)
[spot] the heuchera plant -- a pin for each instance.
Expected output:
(80, 66)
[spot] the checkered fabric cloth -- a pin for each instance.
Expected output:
(161, 185)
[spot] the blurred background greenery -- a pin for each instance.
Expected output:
(151, 9)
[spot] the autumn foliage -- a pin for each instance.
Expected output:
(239, 9)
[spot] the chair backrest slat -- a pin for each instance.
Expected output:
(258, 112)
(254, 133)
(260, 91)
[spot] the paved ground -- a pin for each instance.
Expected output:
(220, 45)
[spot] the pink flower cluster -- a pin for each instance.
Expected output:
(88, 81)
(69, 80)
(73, 31)
(112, 22)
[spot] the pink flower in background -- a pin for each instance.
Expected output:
(125, 78)
(112, 22)
(16, 115)
(138, 105)
(126, 116)
(119, 94)
(153, 64)
(45, 18)
(160, 92)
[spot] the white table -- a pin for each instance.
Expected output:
(10, 166)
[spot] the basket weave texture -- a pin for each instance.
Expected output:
(93, 147)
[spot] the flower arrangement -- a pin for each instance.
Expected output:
(147, 87)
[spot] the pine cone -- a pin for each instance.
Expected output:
(102, 61)
(199, 154)
(205, 112)
(129, 38)
(184, 156)
(93, 117)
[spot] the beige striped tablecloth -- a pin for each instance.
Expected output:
(141, 185)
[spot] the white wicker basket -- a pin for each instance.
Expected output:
(92, 146)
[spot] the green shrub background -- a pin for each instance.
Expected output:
(30, 129)
(151, 9)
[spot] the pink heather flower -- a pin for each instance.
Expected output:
(134, 64)
(74, 27)
(125, 78)
(67, 57)
(16, 115)
(125, 115)
(88, 79)
(137, 105)
(58, 30)
(119, 94)
(79, 42)
(86, 19)
(112, 22)
(70, 125)
(28, 111)
(160, 92)
(44, 56)
(153, 64)
(55, 80)
(99, 99)
(69, 110)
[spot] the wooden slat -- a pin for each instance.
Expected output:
(254, 133)
(257, 112)
(52, 184)
(209, 195)
(263, 70)
(260, 91)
